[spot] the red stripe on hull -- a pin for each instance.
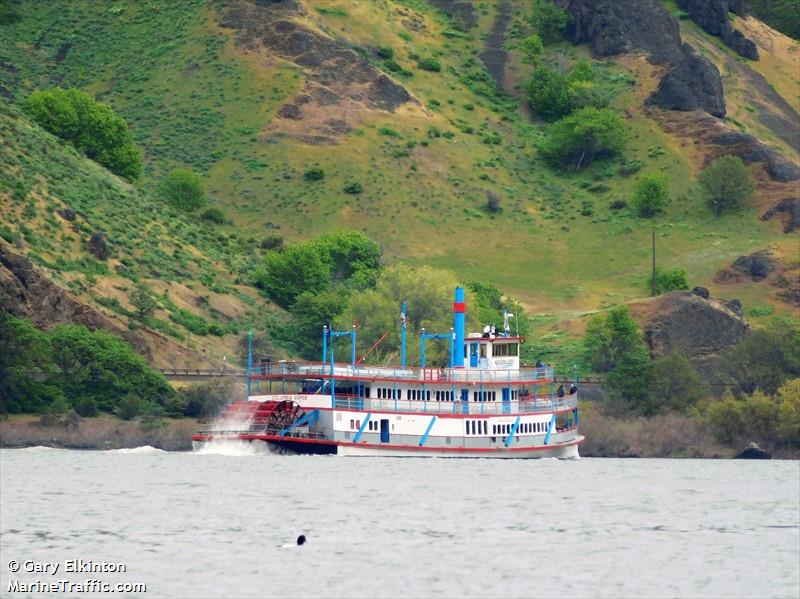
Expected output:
(278, 439)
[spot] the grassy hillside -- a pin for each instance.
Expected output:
(190, 268)
(197, 97)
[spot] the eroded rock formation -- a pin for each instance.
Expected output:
(712, 16)
(700, 328)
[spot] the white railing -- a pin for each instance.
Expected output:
(421, 375)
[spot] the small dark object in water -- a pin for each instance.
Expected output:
(301, 540)
(754, 452)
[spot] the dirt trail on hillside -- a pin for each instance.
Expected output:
(494, 54)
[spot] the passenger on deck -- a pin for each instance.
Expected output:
(573, 389)
(561, 391)
(539, 364)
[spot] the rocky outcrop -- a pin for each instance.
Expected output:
(790, 207)
(621, 26)
(693, 83)
(749, 149)
(98, 246)
(712, 16)
(757, 265)
(701, 329)
(26, 292)
(753, 452)
(337, 80)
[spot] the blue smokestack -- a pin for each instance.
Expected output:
(459, 325)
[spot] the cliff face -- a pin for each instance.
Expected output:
(613, 27)
(700, 328)
(712, 16)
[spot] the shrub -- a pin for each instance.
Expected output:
(549, 94)
(143, 300)
(618, 204)
(214, 215)
(353, 188)
(651, 195)
(384, 52)
(764, 360)
(549, 20)
(577, 140)
(772, 422)
(388, 131)
(727, 183)
(87, 408)
(129, 407)
(184, 190)
(92, 127)
(532, 48)
(493, 201)
(204, 400)
(429, 64)
(668, 280)
(675, 385)
(315, 173)
(272, 242)
(614, 344)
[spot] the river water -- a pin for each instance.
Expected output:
(224, 525)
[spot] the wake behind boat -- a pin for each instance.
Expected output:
(483, 405)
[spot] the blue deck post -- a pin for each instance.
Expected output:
(353, 339)
(427, 431)
(452, 347)
(422, 349)
(249, 361)
(403, 336)
(324, 343)
(513, 432)
(333, 392)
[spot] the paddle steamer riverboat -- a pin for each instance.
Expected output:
(483, 405)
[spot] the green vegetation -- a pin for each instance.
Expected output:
(614, 345)
(651, 196)
(90, 126)
(350, 260)
(783, 15)
(764, 360)
(727, 184)
(213, 215)
(549, 93)
(772, 421)
(532, 48)
(71, 365)
(668, 280)
(184, 190)
(429, 64)
(587, 134)
(143, 301)
(315, 173)
(549, 20)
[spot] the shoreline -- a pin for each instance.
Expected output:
(108, 432)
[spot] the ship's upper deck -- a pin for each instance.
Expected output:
(285, 370)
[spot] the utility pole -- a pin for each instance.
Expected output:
(654, 263)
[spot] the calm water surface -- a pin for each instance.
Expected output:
(200, 525)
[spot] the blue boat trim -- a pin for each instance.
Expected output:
(427, 432)
(513, 432)
(361, 428)
(550, 428)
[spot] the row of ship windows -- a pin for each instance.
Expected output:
(426, 394)
(480, 427)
